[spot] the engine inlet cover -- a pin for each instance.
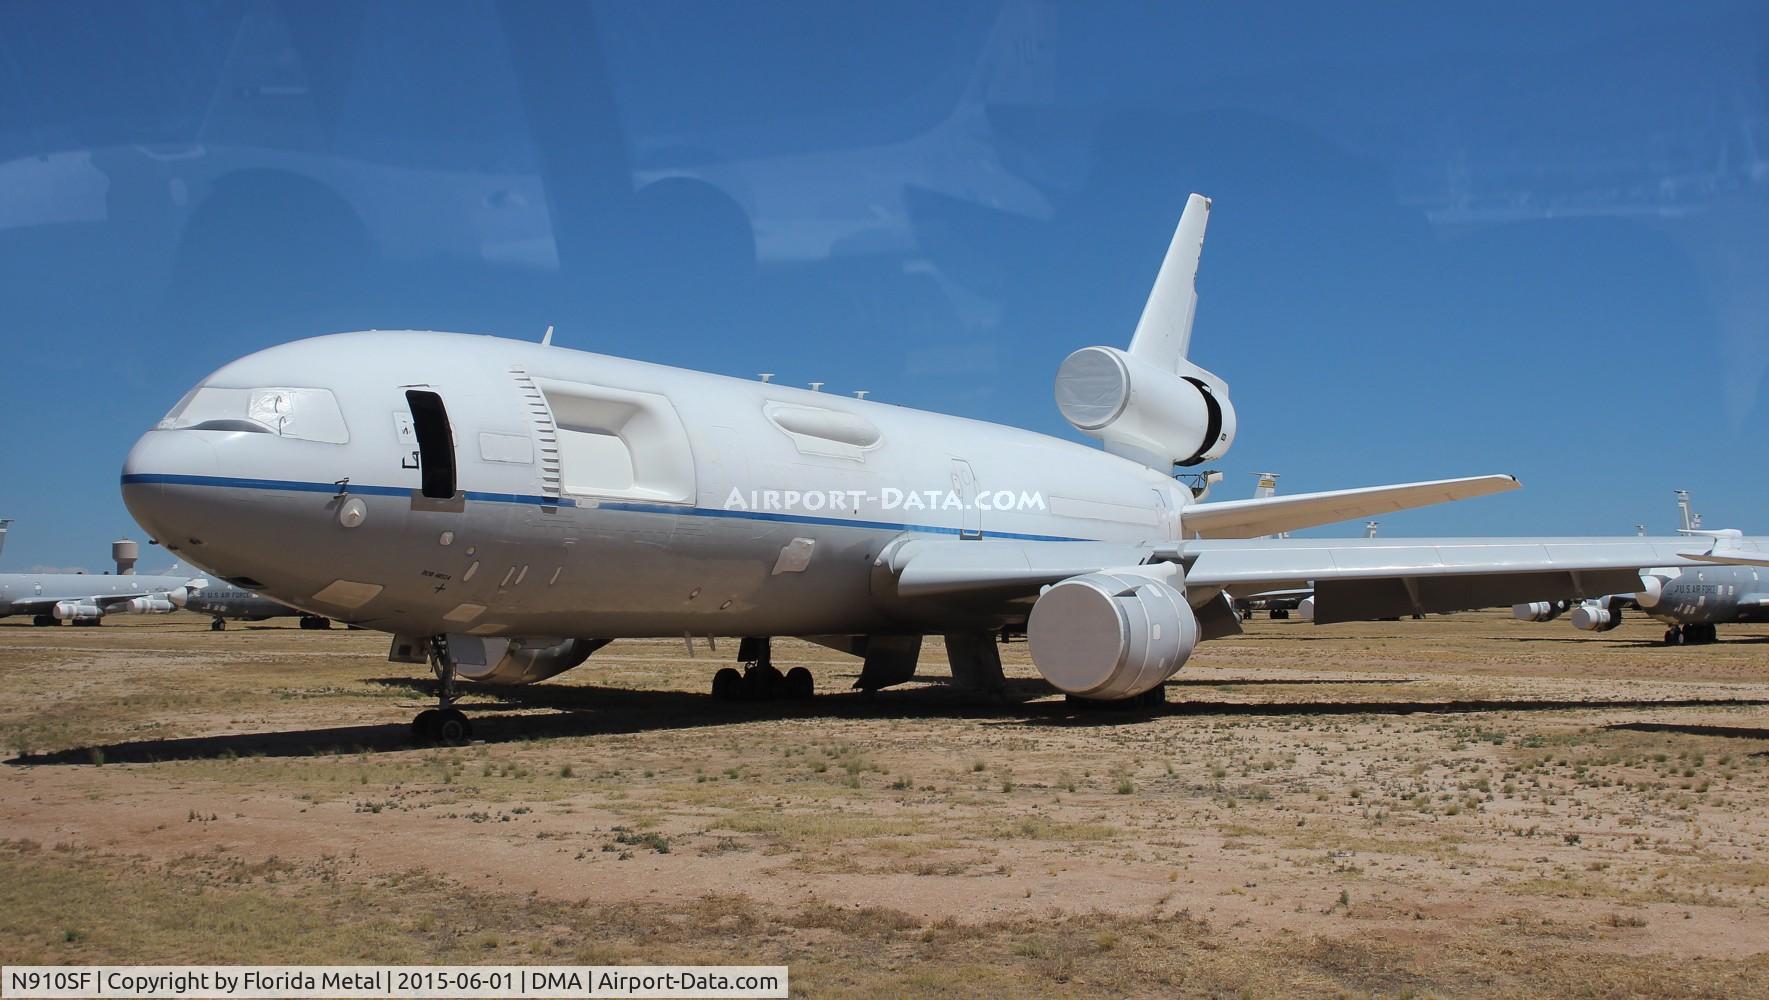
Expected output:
(1111, 635)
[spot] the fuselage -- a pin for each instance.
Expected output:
(228, 601)
(1708, 595)
(592, 496)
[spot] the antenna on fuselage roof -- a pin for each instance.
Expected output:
(547, 338)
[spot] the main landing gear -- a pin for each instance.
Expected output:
(760, 679)
(445, 723)
(1690, 635)
(218, 625)
(315, 622)
(44, 621)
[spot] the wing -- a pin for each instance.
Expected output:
(1270, 515)
(44, 605)
(106, 602)
(1353, 579)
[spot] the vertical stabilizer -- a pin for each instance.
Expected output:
(1164, 333)
(4, 523)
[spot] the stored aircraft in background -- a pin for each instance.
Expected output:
(505, 508)
(224, 602)
(85, 598)
(1691, 600)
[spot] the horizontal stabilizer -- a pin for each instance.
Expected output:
(1258, 516)
(1728, 558)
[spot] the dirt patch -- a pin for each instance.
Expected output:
(1467, 804)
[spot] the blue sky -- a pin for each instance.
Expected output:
(1444, 242)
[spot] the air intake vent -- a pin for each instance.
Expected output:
(546, 432)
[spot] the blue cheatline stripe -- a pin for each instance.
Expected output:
(296, 486)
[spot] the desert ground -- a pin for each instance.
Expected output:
(1463, 806)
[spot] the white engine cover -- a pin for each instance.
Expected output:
(155, 604)
(1652, 589)
(1538, 611)
(1594, 616)
(76, 611)
(516, 661)
(1109, 635)
(1143, 412)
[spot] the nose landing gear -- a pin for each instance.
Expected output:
(445, 723)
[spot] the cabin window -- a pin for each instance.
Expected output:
(436, 443)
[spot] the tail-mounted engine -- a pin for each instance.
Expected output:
(1111, 635)
(1144, 412)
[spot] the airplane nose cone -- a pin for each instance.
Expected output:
(160, 463)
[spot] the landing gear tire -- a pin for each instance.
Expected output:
(452, 726)
(315, 622)
(424, 725)
(44, 621)
(727, 685)
(218, 625)
(799, 685)
(763, 682)
(1673, 636)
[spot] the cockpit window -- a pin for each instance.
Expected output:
(302, 414)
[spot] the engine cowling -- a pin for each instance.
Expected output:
(1142, 411)
(1596, 616)
(517, 661)
(152, 604)
(1652, 590)
(77, 611)
(1538, 611)
(1110, 635)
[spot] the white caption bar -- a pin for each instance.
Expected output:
(197, 982)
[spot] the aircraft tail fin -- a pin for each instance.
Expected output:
(1164, 333)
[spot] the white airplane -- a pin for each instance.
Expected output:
(86, 598)
(1724, 587)
(505, 508)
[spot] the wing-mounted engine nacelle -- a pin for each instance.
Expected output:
(1596, 616)
(1538, 611)
(77, 611)
(517, 661)
(1144, 412)
(1652, 589)
(1111, 635)
(152, 604)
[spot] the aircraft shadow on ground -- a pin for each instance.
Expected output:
(1742, 640)
(1694, 729)
(576, 711)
